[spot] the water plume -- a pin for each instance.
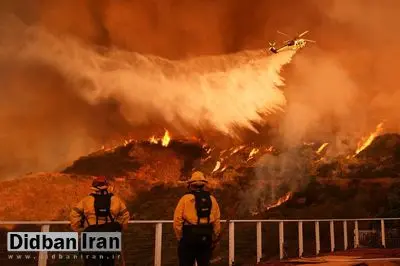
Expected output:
(219, 92)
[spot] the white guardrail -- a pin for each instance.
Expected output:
(45, 227)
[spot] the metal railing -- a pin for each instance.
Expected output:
(45, 227)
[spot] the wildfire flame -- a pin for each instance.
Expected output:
(364, 144)
(153, 140)
(112, 146)
(165, 140)
(280, 201)
(322, 147)
(238, 149)
(217, 166)
(269, 149)
(252, 153)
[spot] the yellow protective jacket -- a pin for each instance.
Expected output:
(84, 212)
(185, 213)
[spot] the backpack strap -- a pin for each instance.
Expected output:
(198, 219)
(83, 216)
(194, 194)
(94, 195)
(208, 217)
(87, 221)
(209, 214)
(109, 208)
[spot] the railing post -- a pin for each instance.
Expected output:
(259, 242)
(346, 242)
(317, 239)
(158, 245)
(332, 233)
(231, 243)
(383, 236)
(356, 235)
(300, 228)
(42, 261)
(281, 240)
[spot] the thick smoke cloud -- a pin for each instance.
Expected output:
(59, 83)
(344, 82)
(338, 90)
(373, 53)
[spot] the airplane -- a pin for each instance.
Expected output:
(293, 44)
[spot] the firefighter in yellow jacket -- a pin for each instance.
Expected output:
(100, 211)
(196, 223)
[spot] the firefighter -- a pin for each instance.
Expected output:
(196, 223)
(101, 211)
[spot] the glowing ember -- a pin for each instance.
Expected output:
(166, 139)
(280, 201)
(253, 152)
(364, 144)
(222, 152)
(322, 147)
(206, 159)
(269, 149)
(217, 166)
(153, 140)
(237, 149)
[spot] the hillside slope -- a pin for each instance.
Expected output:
(150, 174)
(151, 179)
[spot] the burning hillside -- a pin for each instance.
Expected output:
(255, 178)
(268, 175)
(63, 96)
(248, 180)
(85, 85)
